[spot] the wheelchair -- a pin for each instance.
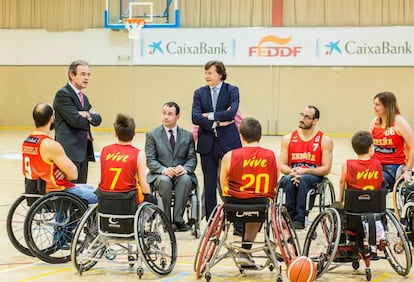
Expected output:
(42, 225)
(398, 194)
(192, 208)
(117, 231)
(279, 244)
(333, 238)
(403, 203)
(323, 190)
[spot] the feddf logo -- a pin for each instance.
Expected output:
(273, 46)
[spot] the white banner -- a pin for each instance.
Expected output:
(379, 46)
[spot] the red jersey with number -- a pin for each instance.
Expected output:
(34, 166)
(363, 174)
(306, 154)
(119, 172)
(252, 173)
(389, 145)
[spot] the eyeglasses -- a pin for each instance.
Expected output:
(305, 116)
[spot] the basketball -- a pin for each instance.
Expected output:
(301, 269)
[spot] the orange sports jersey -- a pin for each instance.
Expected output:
(34, 166)
(252, 173)
(305, 153)
(119, 172)
(389, 145)
(363, 174)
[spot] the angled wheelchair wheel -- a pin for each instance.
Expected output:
(155, 238)
(397, 249)
(50, 224)
(398, 193)
(322, 239)
(86, 246)
(284, 234)
(209, 241)
(15, 224)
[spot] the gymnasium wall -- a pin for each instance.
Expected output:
(274, 95)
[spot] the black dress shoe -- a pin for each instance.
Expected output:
(182, 226)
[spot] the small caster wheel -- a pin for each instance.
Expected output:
(368, 274)
(207, 276)
(355, 264)
(131, 258)
(140, 272)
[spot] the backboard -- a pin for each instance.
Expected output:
(156, 13)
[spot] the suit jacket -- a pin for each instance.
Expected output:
(226, 109)
(160, 154)
(71, 129)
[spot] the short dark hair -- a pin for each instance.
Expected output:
(250, 129)
(124, 126)
(361, 141)
(42, 113)
(317, 113)
(175, 105)
(220, 68)
(74, 66)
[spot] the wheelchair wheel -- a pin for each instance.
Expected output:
(398, 193)
(209, 241)
(285, 234)
(155, 238)
(15, 222)
(86, 246)
(50, 224)
(326, 194)
(397, 250)
(322, 239)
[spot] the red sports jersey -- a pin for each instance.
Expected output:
(305, 153)
(252, 173)
(34, 166)
(119, 172)
(363, 174)
(389, 145)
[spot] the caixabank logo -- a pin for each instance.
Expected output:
(355, 47)
(181, 48)
(274, 46)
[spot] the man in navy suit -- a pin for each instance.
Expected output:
(214, 107)
(74, 116)
(171, 160)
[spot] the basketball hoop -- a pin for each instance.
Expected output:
(134, 26)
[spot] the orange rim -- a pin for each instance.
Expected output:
(136, 21)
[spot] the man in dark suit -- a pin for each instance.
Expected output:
(214, 108)
(171, 160)
(74, 115)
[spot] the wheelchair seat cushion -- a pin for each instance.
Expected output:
(246, 210)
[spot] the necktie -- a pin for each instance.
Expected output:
(172, 139)
(215, 95)
(81, 99)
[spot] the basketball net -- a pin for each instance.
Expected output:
(134, 27)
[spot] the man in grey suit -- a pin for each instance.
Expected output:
(171, 160)
(74, 117)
